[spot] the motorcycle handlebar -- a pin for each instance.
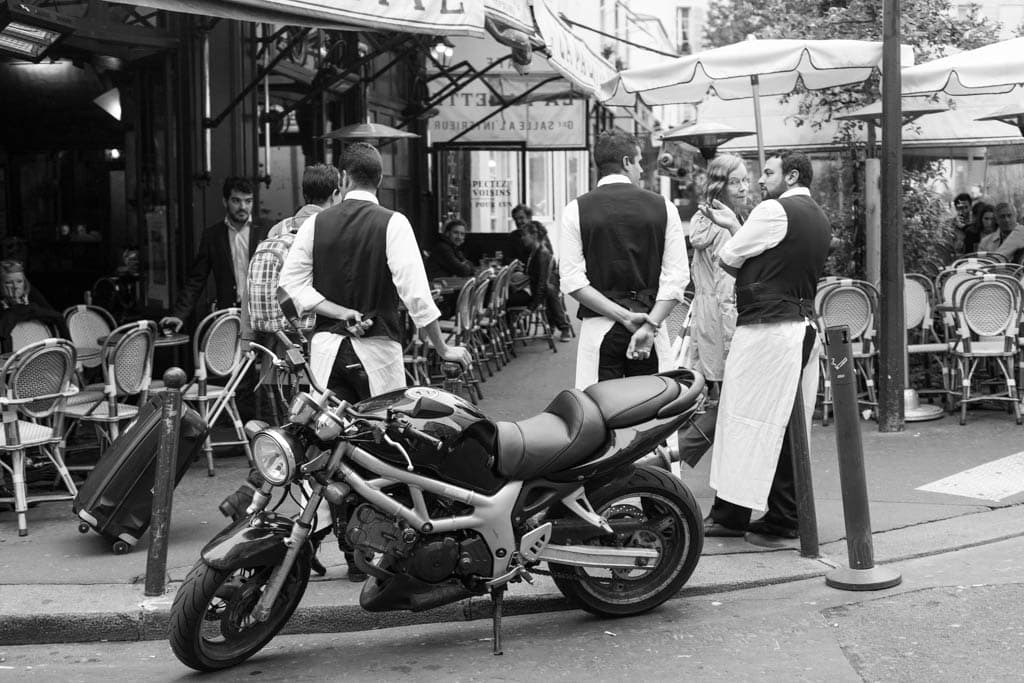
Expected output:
(409, 430)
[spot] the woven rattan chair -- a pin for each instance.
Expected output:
(987, 311)
(127, 362)
(34, 383)
(922, 339)
(458, 330)
(499, 312)
(217, 348)
(86, 324)
(852, 303)
(29, 332)
(678, 325)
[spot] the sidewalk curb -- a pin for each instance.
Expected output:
(24, 618)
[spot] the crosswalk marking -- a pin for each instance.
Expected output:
(994, 480)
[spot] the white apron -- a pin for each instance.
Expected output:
(381, 358)
(757, 398)
(588, 350)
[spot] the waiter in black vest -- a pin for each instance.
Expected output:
(351, 264)
(777, 257)
(624, 259)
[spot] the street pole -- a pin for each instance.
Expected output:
(892, 337)
(163, 483)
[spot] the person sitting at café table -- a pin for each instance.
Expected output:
(20, 302)
(536, 287)
(1008, 238)
(446, 257)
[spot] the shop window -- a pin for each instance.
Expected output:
(481, 187)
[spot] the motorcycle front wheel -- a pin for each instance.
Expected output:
(212, 626)
(671, 524)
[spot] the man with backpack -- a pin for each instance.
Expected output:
(321, 189)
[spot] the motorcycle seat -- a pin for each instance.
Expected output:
(631, 400)
(570, 430)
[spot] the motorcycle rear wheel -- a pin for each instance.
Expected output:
(673, 526)
(211, 625)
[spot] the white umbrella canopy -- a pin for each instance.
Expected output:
(752, 68)
(995, 68)
(1012, 114)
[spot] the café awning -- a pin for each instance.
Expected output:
(443, 17)
(571, 56)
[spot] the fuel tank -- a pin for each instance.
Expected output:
(466, 456)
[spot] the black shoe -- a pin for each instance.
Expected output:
(763, 528)
(355, 574)
(235, 505)
(718, 530)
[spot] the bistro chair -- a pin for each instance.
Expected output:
(922, 339)
(459, 331)
(987, 310)
(217, 349)
(127, 363)
(34, 383)
(29, 332)
(499, 312)
(678, 325)
(86, 324)
(853, 303)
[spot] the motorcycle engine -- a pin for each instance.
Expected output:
(432, 558)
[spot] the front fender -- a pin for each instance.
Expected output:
(256, 541)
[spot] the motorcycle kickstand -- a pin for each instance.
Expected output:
(497, 601)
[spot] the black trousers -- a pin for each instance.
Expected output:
(348, 378)
(782, 495)
(612, 361)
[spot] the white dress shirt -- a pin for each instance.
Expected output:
(381, 356)
(238, 239)
(764, 229)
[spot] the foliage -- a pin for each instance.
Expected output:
(931, 27)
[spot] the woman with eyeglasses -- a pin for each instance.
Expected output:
(714, 302)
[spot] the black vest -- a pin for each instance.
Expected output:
(779, 284)
(623, 232)
(350, 265)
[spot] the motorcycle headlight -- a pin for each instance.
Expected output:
(273, 453)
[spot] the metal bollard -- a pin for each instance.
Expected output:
(796, 434)
(163, 483)
(862, 575)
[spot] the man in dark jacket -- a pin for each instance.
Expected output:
(446, 257)
(224, 251)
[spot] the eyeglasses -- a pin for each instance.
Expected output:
(737, 182)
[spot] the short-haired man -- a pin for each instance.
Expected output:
(623, 257)
(224, 251)
(963, 224)
(513, 249)
(777, 257)
(1008, 239)
(351, 264)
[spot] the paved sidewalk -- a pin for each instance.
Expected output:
(58, 585)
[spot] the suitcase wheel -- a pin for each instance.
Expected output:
(120, 547)
(83, 528)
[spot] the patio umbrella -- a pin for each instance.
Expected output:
(995, 68)
(1012, 114)
(368, 131)
(705, 136)
(750, 69)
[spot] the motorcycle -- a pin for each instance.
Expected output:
(438, 503)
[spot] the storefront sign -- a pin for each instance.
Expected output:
(489, 194)
(570, 55)
(445, 17)
(543, 124)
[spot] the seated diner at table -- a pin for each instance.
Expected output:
(20, 302)
(446, 257)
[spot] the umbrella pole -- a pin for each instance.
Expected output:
(755, 87)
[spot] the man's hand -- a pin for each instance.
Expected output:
(720, 214)
(634, 320)
(642, 342)
(171, 322)
(456, 354)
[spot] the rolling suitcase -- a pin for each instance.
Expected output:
(116, 500)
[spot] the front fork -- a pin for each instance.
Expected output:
(295, 543)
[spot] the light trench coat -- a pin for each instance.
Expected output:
(764, 361)
(713, 312)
